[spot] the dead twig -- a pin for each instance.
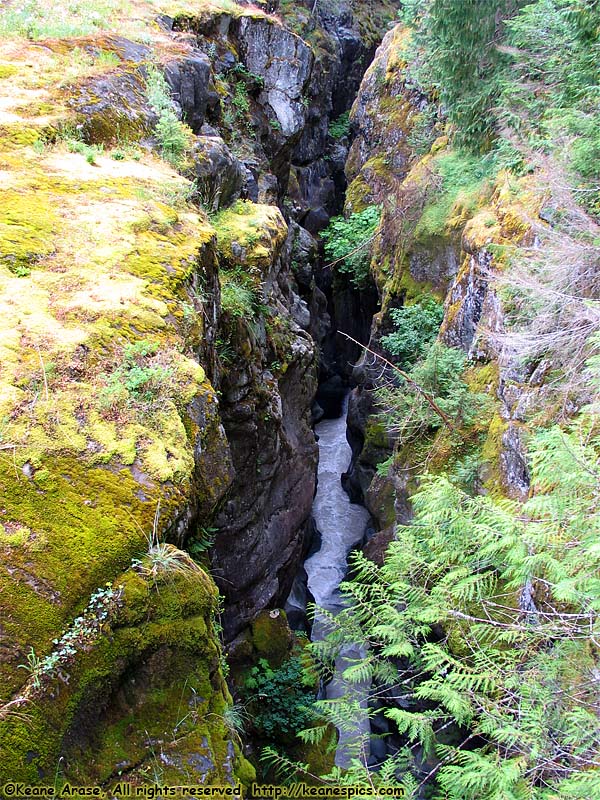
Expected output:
(425, 395)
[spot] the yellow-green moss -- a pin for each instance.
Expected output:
(165, 647)
(18, 135)
(271, 636)
(250, 235)
(359, 195)
(483, 377)
(28, 225)
(8, 70)
(491, 452)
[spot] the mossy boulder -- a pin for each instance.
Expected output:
(271, 636)
(156, 678)
(250, 235)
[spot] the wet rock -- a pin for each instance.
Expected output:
(514, 462)
(468, 294)
(263, 525)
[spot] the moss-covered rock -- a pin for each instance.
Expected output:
(271, 636)
(250, 235)
(110, 439)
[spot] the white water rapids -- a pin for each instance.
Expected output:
(342, 525)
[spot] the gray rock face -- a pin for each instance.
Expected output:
(218, 173)
(284, 63)
(469, 291)
(274, 454)
(189, 81)
(266, 411)
(379, 132)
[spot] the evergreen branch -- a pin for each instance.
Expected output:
(405, 376)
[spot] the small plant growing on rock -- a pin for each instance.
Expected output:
(339, 128)
(140, 379)
(163, 560)
(89, 151)
(85, 630)
(348, 243)
(173, 135)
(237, 298)
(34, 667)
(240, 99)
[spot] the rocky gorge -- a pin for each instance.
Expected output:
(159, 371)
(175, 322)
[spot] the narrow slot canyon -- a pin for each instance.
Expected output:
(299, 336)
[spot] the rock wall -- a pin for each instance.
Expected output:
(451, 252)
(158, 369)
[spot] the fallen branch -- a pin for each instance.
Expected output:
(425, 395)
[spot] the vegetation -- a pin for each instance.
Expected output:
(140, 378)
(415, 327)
(40, 20)
(339, 128)
(279, 701)
(408, 409)
(522, 72)
(462, 179)
(348, 243)
(485, 619)
(239, 296)
(85, 630)
(173, 136)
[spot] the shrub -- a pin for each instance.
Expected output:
(347, 243)
(415, 327)
(488, 610)
(173, 135)
(407, 412)
(280, 700)
(550, 311)
(240, 98)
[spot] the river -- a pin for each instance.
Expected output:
(341, 525)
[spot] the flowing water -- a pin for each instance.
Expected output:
(342, 525)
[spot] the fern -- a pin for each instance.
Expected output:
(443, 620)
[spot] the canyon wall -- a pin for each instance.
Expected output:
(160, 328)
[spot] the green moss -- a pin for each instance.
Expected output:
(359, 195)
(250, 235)
(18, 135)
(28, 225)
(87, 523)
(79, 493)
(157, 676)
(483, 377)
(491, 452)
(271, 636)
(8, 70)
(465, 188)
